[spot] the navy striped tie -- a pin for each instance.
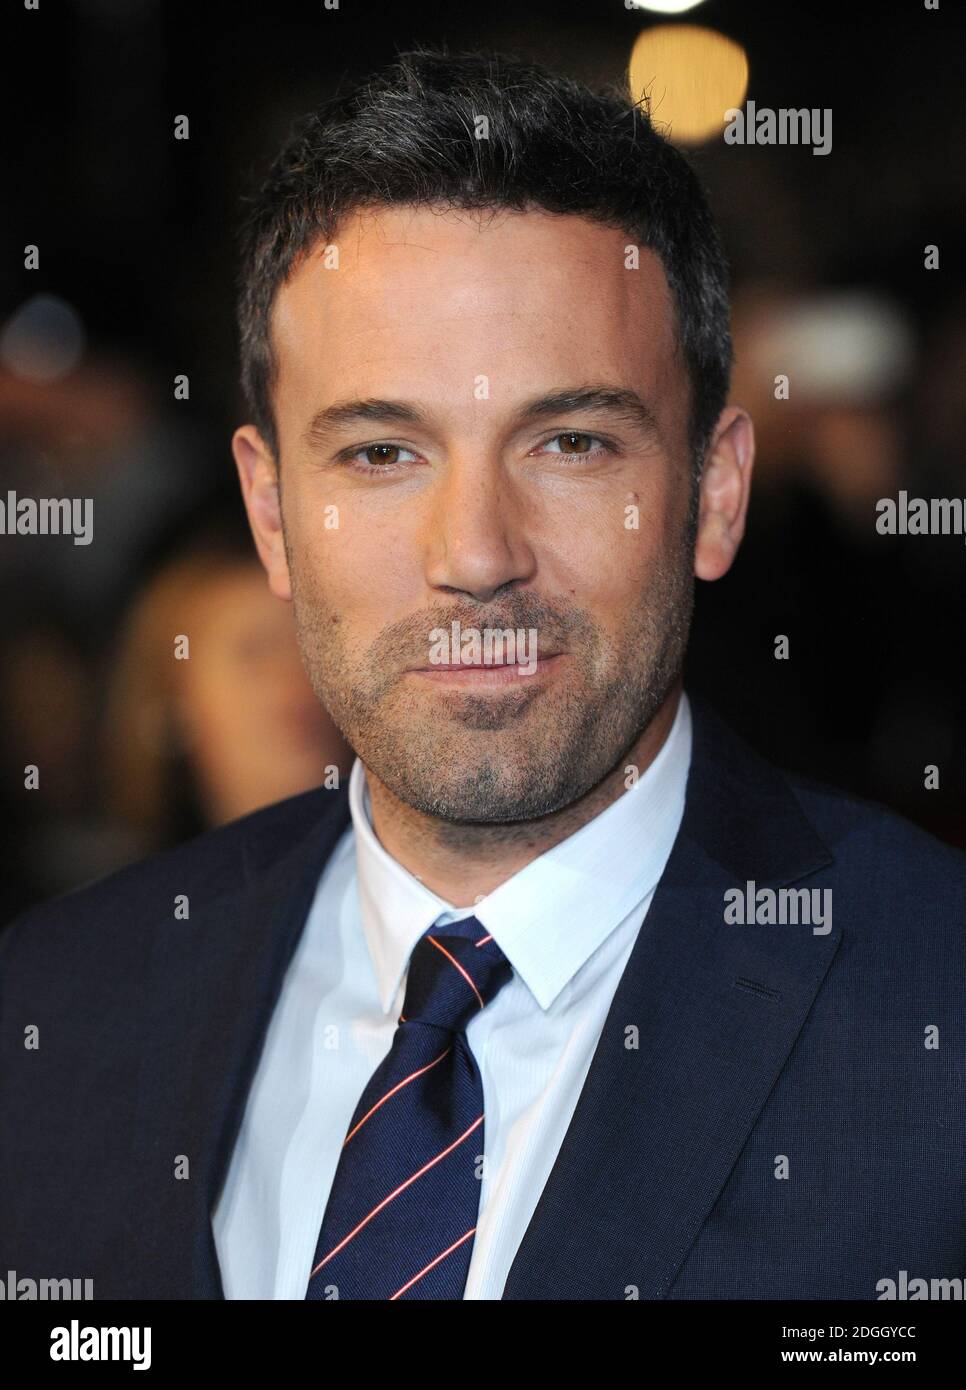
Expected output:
(401, 1214)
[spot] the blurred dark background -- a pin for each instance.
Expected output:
(136, 286)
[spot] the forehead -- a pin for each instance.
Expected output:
(423, 302)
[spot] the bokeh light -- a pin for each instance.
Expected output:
(666, 6)
(691, 77)
(43, 341)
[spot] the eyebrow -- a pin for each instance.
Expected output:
(618, 401)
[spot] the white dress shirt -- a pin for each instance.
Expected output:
(566, 922)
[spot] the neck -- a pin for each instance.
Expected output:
(463, 863)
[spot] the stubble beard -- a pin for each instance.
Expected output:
(494, 759)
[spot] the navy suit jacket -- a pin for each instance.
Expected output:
(765, 1116)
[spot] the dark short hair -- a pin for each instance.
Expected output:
(408, 136)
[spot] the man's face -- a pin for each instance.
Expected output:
(467, 505)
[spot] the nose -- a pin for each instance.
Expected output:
(476, 541)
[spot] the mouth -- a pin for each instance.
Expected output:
(496, 675)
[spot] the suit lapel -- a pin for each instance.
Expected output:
(212, 1001)
(715, 1009)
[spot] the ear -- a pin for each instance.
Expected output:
(258, 476)
(724, 492)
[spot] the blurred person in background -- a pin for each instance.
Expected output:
(78, 418)
(196, 742)
(828, 375)
(100, 428)
(136, 749)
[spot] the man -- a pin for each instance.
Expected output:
(567, 994)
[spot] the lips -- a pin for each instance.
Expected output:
(493, 675)
(481, 665)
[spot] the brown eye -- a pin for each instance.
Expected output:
(382, 453)
(379, 458)
(573, 443)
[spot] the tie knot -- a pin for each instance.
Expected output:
(454, 971)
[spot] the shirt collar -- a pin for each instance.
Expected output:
(550, 916)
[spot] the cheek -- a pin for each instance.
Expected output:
(359, 572)
(603, 559)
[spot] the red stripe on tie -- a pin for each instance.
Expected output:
(395, 1193)
(399, 1084)
(455, 962)
(415, 1277)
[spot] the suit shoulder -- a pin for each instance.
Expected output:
(204, 868)
(869, 843)
(868, 835)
